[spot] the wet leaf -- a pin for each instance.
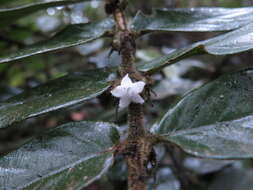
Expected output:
(55, 94)
(72, 35)
(69, 157)
(193, 19)
(14, 11)
(237, 41)
(233, 42)
(214, 121)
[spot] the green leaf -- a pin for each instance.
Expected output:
(233, 42)
(193, 19)
(8, 15)
(214, 121)
(72, 35)
(70, 157)
(55, 94)
(157, 64)
(237, 41)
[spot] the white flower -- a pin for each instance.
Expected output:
(128, 92)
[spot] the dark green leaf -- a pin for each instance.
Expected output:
(69, 157)
(72, 35)
(8, 15)
(214, 121)
(171, 58)
(229, 43)
(193, 19)
(56, 94)
(233, 42)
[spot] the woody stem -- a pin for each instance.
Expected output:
(127, 48)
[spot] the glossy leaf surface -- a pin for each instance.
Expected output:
(193, 19)
(237, 41)
(68, 157)
(12, 13)
(72, 35)
(214, 121)
(55, 94)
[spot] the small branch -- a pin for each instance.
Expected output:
(124, 43)
(127, 50)
(137, 149)
(135, 121)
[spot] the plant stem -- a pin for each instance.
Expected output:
(135, 121)
(124, 43)
(136, 166)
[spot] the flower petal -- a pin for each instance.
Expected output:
(124, 101)
(118, 91)
(137, 87)
(126, 81)
(136, 98)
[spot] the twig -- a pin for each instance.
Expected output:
(137, 149)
